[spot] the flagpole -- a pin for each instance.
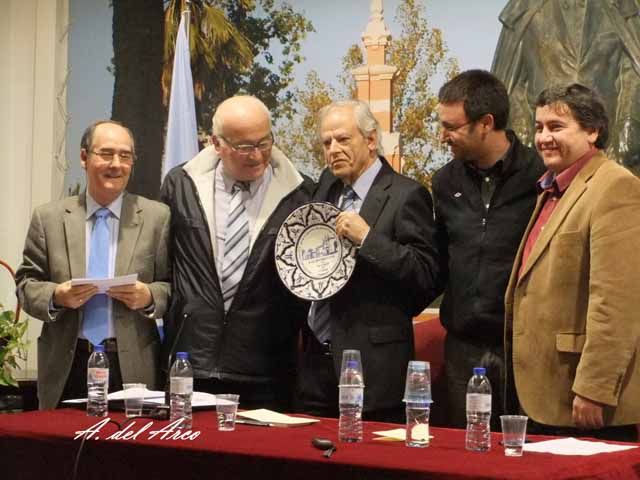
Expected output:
(181, 142)
(186, 13)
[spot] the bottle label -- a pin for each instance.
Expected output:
(352, 395)
(98, 375)
(478, 402)
(181, 385)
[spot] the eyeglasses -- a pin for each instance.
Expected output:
(245, 149)
(109, 155)
(455, 128)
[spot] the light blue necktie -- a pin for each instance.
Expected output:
(96, 311)
(319, 313)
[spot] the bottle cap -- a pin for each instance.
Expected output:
(98, 348)
(351, 364)
(182, 355)
(479, 371)
(418, 366)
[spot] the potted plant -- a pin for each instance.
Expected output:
(12, 346)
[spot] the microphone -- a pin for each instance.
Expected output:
(172, 352)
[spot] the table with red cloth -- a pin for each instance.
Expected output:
(41, 445)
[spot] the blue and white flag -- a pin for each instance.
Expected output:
(181, 144)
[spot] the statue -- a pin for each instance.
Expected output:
(592, 42)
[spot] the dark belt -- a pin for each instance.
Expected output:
(110, 345)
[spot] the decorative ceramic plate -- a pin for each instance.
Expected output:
(312, 261)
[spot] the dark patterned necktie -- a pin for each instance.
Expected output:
(349, 197)
(319, 313)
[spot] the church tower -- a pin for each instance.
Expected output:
(374, 82)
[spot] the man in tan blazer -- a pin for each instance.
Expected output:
(58, 249)
(573, 304)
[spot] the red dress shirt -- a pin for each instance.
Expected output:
(552, 187)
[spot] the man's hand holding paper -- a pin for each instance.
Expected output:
(68, 295)
(135, 296)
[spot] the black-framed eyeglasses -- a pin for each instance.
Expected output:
(245, 149)
(109, 155)
(455, 128)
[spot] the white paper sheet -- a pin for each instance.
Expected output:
(397, 434)
(122, 394)
(573, 446)
(271, 418)
(105, 284)
(198, 399)
(156, 397)
(148, 394)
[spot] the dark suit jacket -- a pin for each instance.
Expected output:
(254, 342)
(54, 252)
(394, 279)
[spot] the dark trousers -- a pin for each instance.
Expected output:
(76, 386)
(317, 386)
(461, 356)
(252, 395)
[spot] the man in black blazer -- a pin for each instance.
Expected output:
(391, 221)
(241, 338)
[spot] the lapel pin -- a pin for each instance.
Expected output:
(457, 194)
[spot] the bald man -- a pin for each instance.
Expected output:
(230, 311)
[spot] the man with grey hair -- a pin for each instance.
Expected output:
(390, 219)
(230, 311)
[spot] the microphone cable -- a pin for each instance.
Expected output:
(157, 413)
(172, 352)
(84, 439)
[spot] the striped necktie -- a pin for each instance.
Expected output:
(319, 312)
(95, 326)
(236, 245)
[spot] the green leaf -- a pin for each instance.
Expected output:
(12, 345)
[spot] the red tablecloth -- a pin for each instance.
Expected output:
(40, 445)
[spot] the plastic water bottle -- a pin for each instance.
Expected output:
(181, 390)
(478, 436)
(97, 383)
(350, 401)
(417, 397)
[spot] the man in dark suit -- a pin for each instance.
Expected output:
(229, 310)
(59, 248)
(390, 219)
